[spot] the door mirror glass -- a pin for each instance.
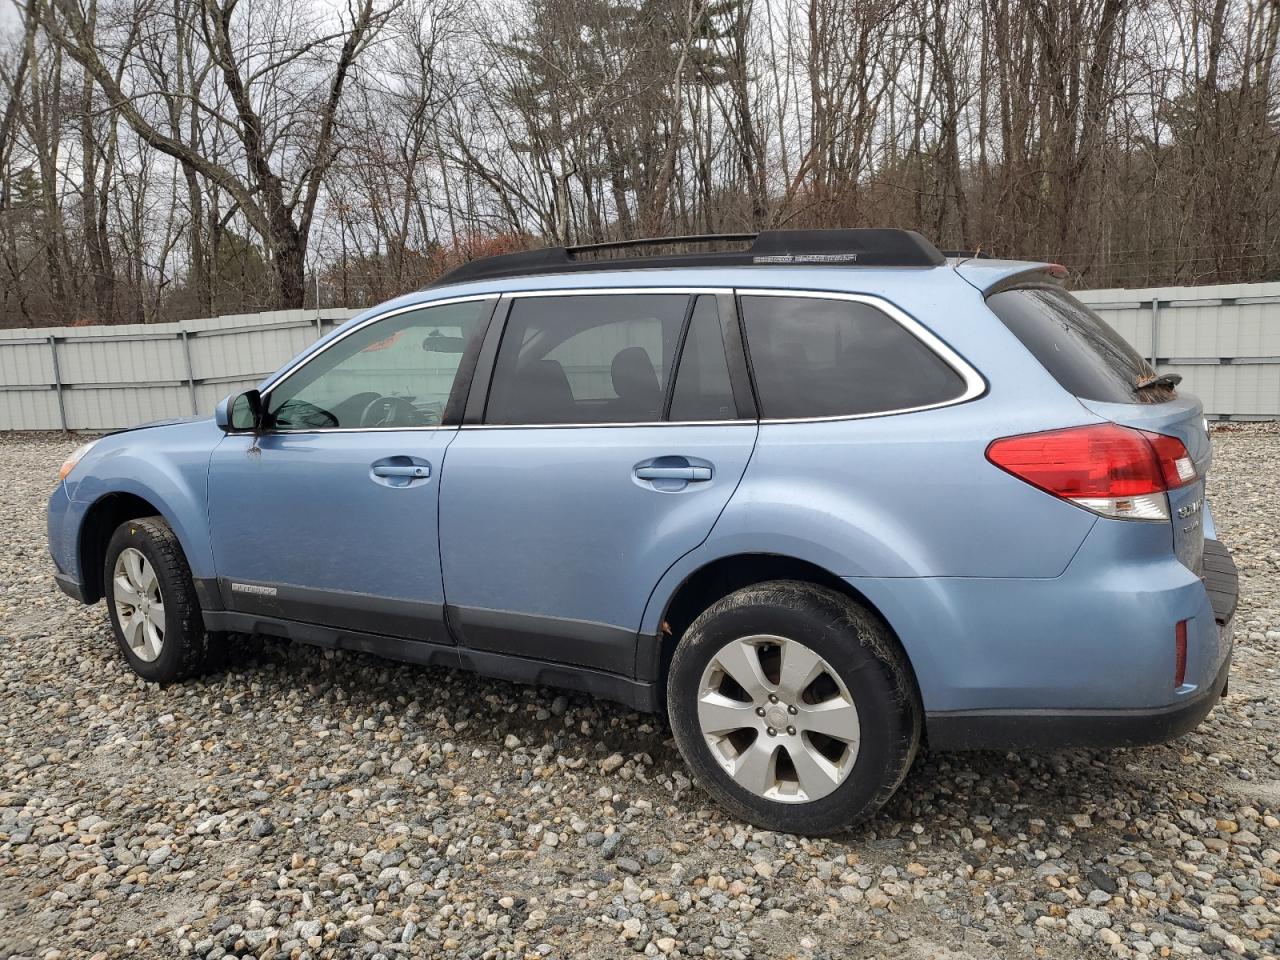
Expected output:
(240, 413)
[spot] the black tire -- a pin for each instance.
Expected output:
(187, 649)
(858, 646)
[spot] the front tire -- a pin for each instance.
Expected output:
(794, 706)
(152, 602)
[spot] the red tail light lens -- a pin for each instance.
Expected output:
(1175, 463)
(1113, 470)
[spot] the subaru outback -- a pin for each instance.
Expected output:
(821, 497)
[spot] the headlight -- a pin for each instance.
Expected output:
(76, 455)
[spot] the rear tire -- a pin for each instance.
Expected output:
(794, 707)
(152, 602)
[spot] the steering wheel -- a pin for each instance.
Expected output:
(301, 414)
(390, 412)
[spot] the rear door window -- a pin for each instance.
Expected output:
(819, 357)
(586, 359)
(1078, 348)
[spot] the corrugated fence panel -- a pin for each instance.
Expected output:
(135, 360)
(25, 363)
(1132, 323)
(105, 408)
(29, 410)
(1224, 340)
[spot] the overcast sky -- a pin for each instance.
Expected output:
(8, 18)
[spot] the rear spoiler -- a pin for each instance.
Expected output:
(991, 276)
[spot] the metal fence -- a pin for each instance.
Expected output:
(101, 378)
(1224, 340)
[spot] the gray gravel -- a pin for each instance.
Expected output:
(307, 804)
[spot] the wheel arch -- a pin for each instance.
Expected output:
(718, 578)
(100, 522)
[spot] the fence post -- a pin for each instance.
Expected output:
(1155, 330)
(191, 378)
(57, 384)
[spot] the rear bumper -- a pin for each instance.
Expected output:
(1046, 729)
(1049, 729)
(1087, 658)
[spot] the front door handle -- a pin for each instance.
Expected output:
(400, 471)
(689, 474)
(397, 470)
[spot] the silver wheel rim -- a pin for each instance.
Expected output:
(139, 604)
(778, 719)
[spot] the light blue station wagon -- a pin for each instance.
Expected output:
(821, 499)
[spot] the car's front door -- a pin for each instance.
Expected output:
(328, 515)
(593, 470)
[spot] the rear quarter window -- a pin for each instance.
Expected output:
(1076, 346)
(826, 357)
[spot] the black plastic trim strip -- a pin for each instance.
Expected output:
(1221, 580)
(740, 378)
(674, 374)
(638, 695)
(456, 404)
(414, 620)
(573, 643)
(208, 592)
(482, 376)
(72, 587)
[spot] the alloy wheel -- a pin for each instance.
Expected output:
(778, 718)
(139, 604)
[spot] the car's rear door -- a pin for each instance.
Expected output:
(587, 466)
(327, 517)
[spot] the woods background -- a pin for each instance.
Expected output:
(167, 159)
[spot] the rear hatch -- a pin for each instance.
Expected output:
(1111, 379)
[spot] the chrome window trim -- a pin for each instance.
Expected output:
(302, 430)
(307, 359)
(628, 423)
(611, 291)
(975, 385)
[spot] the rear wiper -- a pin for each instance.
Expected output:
(1166, 380)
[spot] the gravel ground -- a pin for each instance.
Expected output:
(307, 804)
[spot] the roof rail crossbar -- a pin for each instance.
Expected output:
(855, 247)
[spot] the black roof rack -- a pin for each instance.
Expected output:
(867, 247)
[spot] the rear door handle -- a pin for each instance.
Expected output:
(689, 474)
(397, 470)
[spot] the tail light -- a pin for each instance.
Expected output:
(1112, 470)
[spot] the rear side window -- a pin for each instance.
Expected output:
(1078, 348)
(586, 359)
(815, 357)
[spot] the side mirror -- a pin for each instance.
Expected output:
(239, 413)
